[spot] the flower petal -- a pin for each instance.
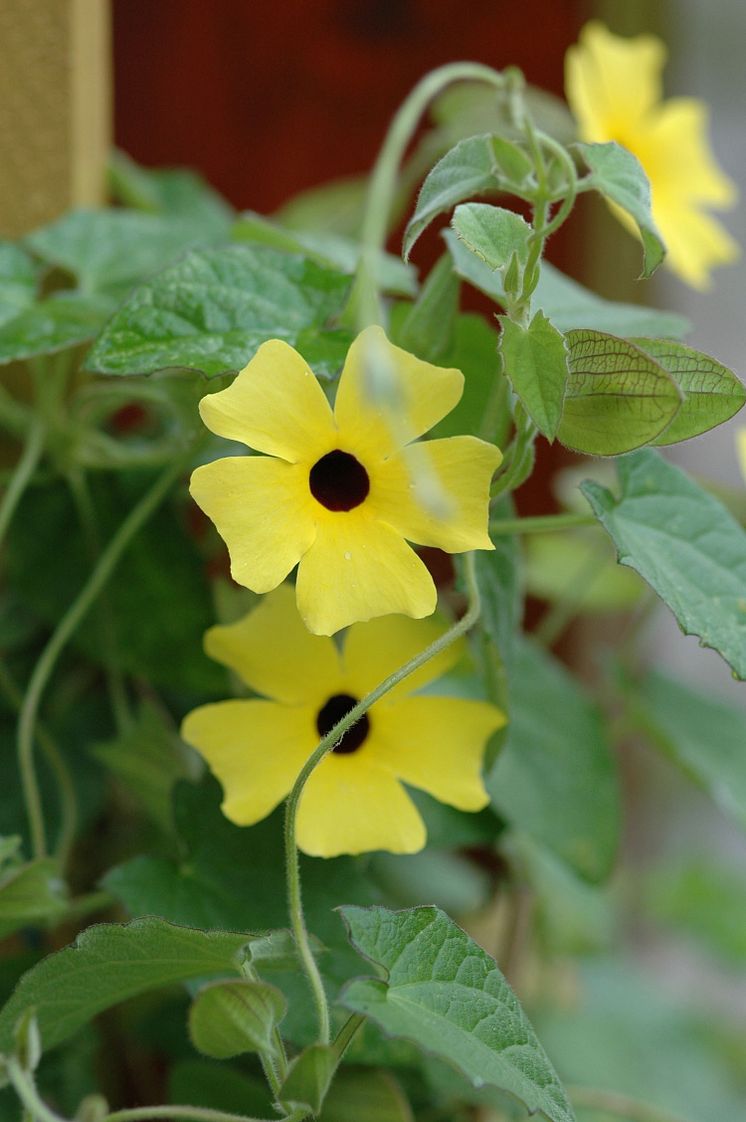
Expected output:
(612, 82)
(374, 650)
(273, 652)
(263, 511)
(695, 241)
(351, 806)
(387, 397)
(437, 744)
(255, 748)
(358, 568)
(678, 157)
(451, 510)
(741, 451)
(276, 405)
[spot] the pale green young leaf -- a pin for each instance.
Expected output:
(30, 895)
(701, 733)
(565, 302)
(309, 1078)
(110, 250)
(178, 192)
(618, 175)
(712, 392)
(685, 544)
(426, 329)
(444, 993)
(535, 361)
(214, 307)
(365, 1095)
(229, 1018)
(62, 320)
(492, 234)
(555, 778)
(617, 397)
(333, 251)
(19, 275)
(109, 963)
(277, 950)
(474, 166)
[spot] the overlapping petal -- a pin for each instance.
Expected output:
(255, 748)
(437, 493)
(275, 405)
(275, 654)
(358, 568)
(437, 744)
(350, 805)
(263, 513)
(387, 397)
(376, 649)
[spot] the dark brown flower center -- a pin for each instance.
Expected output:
(338, 481)
(333, 711)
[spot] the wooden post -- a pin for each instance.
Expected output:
(55, 109)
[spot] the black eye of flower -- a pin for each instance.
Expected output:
(338, 481)
(334, 710)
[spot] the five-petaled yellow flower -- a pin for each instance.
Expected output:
(337, 491)
(613, 86)
(354, 800)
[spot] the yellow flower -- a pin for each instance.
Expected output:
(741, 451)
(336, 491)
(613, 86)
(354, 801)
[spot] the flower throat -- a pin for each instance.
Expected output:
(338, 481)
(333, 711)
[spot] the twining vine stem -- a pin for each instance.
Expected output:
(33, 450)
(85, 599)
(326, 744)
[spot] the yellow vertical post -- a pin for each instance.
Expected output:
(55, 108)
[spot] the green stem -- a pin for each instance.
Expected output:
(275, 1067)
(197, 1113)
(25, 1088)
(382, 188)
(540, 524)
(32, 452)
(325, 745)
(65, 629)
(65, 786)
(345, 1036)
(14, 416)
(83, 501)
(623, 1106)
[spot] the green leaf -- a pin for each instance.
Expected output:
(178, 192)
(329, 250)
(229, 1018)
(449, 880)
(30, 895)
(701, 733)
(492, 233)
(565, 302)
(555, 778)
(110, 250)
(211, 310)
(444, 993)
(63, 320)
(705, 901)
(473, 351)
(19, 276)
(149, 758)
(685, 544)
(426, 329)
(535, 361)
(109, 963)
(218, 1086)
(473, 167)
(617, 397)
(619, 176)
(309, 1077)
(277, 950)
(365, 1095)
(712, 392)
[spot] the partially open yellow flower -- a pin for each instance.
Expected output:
(337, 491)
(613, 86)
(354, 801)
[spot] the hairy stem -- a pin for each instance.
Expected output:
(65, 629)
(326, 744)
(540, 523)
